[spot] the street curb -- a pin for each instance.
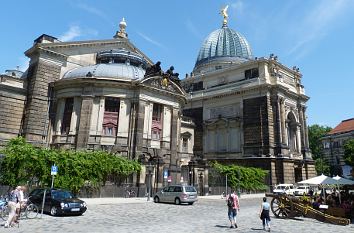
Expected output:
(120, 200)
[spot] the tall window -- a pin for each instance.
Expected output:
(110, 117)
(184, 144)
(68, 110)
(156, 122)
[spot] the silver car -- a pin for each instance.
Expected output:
(177, 194)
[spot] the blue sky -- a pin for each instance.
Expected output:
(315, 35)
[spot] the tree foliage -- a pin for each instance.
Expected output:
(25, 164)
(349, 152)
(247, 178)
(322, 167)
(316, 132)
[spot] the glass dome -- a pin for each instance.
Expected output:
(226, 45)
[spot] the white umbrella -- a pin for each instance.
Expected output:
(343, 181)
(322, 179)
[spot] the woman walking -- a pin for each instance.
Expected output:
(264, 214)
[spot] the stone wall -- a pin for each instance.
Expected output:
(36, 119)
(11, 104)
(257, 126)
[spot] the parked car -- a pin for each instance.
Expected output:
(301, 190)
(284, 188)
(58, 202)
(177, 194)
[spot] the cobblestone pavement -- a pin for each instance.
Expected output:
(138, 215)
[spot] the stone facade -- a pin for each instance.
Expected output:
(94, 95)
(248, 111)
(12, 102)
(333, 148)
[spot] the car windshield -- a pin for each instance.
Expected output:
(301, 187)
(61, 194)
(280, 187)
(190, 189)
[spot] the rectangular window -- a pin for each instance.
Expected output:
(110, 117)
(251, 73)
(68, 110)
(156, 112)
(156, 127)
(184, 144)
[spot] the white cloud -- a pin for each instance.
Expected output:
(72, 33)
(316, 25)
(237, 7)
(193, 29)
(148, 39)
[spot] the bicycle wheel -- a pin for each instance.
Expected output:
(4, 213)
(31, 211)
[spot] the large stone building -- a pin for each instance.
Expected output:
(333, 147)
(99, 95)
(248, 111)
(108, 95)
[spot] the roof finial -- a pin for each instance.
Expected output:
(121, 33)
(223, 12)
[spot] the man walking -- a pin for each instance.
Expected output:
(233, 206)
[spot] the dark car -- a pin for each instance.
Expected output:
(58, 202)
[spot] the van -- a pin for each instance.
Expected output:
(177, 194)
(284, 189)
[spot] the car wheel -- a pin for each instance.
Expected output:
(53, 211)
(156, 199)
(177, 201)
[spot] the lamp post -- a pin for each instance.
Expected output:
(150, 169)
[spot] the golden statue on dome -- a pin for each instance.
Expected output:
(223, 12)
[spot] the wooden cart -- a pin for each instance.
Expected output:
(285, 206)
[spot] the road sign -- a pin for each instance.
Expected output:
(165, 174)
(169, 179)
(54, 170)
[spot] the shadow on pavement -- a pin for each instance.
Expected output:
(257, 229)
(222, 226)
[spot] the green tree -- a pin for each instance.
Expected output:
(24, 164)
(322, 166)
(349, 152)
(247, 178)
(316, 132)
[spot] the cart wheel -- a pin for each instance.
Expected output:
(282, 207)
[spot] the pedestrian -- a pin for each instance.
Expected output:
(13, 200)
(20, 203)
(264, 214)
(233, 206)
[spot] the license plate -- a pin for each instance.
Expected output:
(75, 209)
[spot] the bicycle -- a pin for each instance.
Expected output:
(27, 210)
(130, 193)
(4, 209)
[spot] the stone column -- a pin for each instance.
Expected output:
(85, 122)
(298, 135)
(74, 116)
(301, 121)
(139, 128)
(306, 139)
(284, 132)
(174, 139)
(59, 116)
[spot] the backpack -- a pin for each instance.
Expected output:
(13, 196)
(230, 201)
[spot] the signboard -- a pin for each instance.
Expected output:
(165, 174)
(54, 170)
(169, 179)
